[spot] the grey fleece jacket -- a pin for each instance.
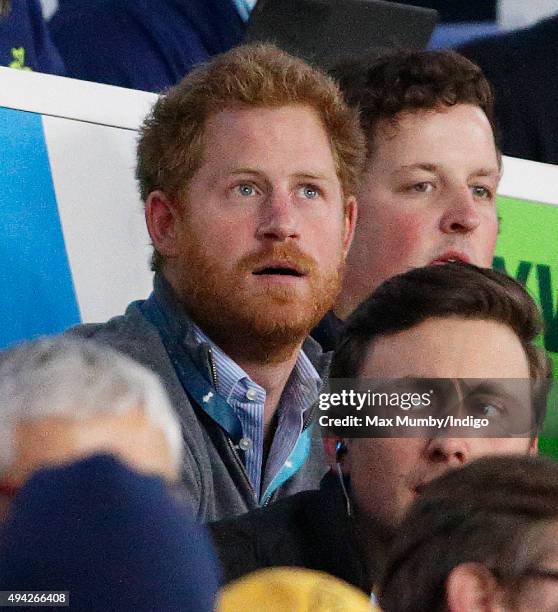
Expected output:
(215, 481)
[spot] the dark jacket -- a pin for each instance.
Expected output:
(115, 539)
(328, 331)
(310, 529)
(142, 44)
(523, 69)
(214, 477)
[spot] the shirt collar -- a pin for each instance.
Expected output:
(303, 384)
(228, 372)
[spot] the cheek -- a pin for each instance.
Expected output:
(227, 239)
(409, 231)
(398, 241)
(501, 446)
(324, 242)
(488, 241)
(373, 469)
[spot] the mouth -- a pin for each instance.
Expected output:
(280, 269)
(450, 257)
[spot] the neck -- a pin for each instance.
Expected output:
(374, 540)
(348, 300)
(357, 286)
(341, 310)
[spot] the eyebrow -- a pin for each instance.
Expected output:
(487, 386)
(487, 172)
(245, 171)
(313, 176)
(423, 166)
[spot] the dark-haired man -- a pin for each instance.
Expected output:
(501, 516)
(454, 322)
(429, 186)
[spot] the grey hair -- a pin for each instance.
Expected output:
(73, 377)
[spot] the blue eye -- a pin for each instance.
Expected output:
(310, 192)
(246, 189)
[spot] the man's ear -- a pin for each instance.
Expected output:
(330, 443)
(471, 587)
(534, 446)
(161, 217)
(335, 449)
(351, 212)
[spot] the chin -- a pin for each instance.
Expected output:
(280, 323)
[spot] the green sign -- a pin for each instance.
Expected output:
(527, 250)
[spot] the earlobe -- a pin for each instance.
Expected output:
(161, 216)
(351, 213)
(335, 449)
(471, 587)
(329, 448)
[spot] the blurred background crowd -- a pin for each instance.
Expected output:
(152, 45)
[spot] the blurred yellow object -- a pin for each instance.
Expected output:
(292, 589)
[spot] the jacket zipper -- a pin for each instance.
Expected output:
(212, 368)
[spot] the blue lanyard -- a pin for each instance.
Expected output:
(193, 382)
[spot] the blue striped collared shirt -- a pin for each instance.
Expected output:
(247, 399)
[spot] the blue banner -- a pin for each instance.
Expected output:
(36, 290)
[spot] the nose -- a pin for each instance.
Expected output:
(454, 452)
(279, 218)
(460, 215)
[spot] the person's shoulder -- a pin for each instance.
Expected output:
(278, 516)
(100, 505)
(122, 328)
(276, 535)
(103, 9)
(131, 334)
(515, 43)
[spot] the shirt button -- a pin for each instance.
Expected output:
(251, 394)
(245, 444)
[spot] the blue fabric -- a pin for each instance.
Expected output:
(113, 538)
(25, 41)
(192, 380)
(453, 34)
(36, 288)
(142, 44)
